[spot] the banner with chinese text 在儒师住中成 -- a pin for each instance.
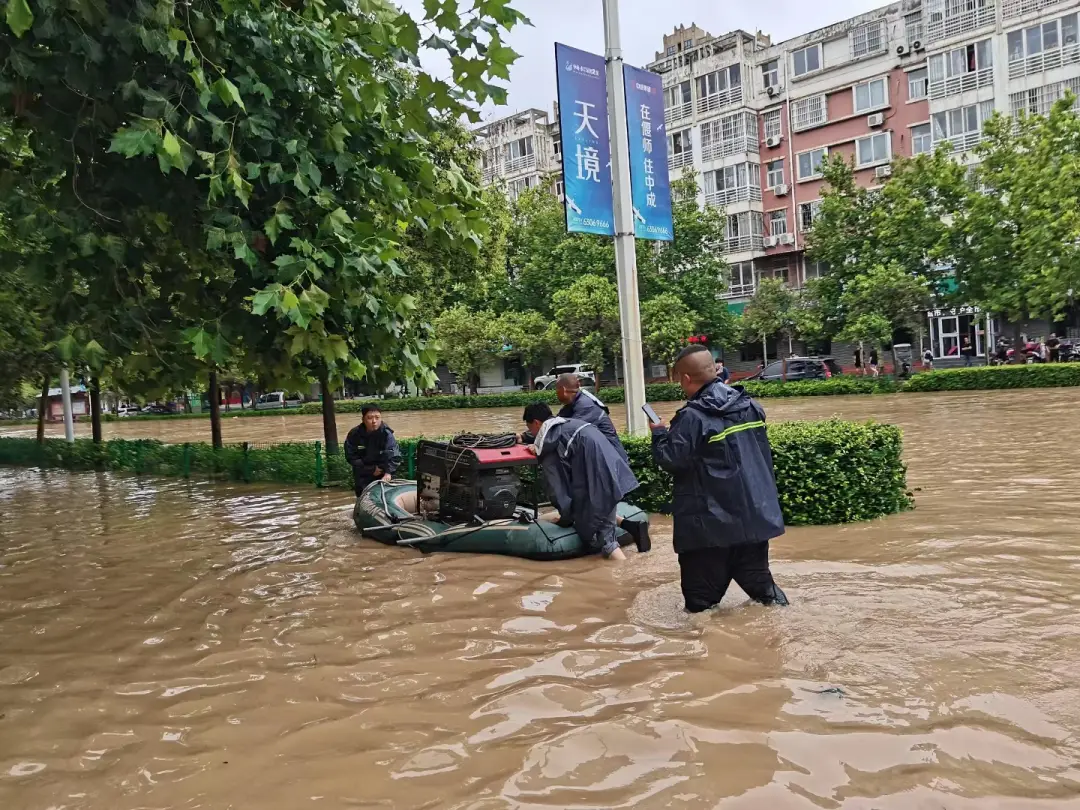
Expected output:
(586, 148)
(649, 183)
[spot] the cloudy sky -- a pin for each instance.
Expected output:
(580, 23)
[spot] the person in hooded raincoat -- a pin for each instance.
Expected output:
(725, 505)
(584, 474)
(577, 403)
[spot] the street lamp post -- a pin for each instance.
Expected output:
(625, 256)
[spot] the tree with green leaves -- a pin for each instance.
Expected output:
(1018, 225)
(588, 311)
(525, 337)
(468, 342)
(250, 168)
(666, 325)
(771, 313)
(903, 226)
(692, 265)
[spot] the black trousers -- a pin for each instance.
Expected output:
(706, 574)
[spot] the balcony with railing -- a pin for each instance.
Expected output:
(961, 84)
(714, 150)
(678, 160)
(964, 142)
(807, 113)
(520, 164)
(1039, 100)
(951, 18)
(1047, 60)
(745, 289)
(729, 196)
(1018, 8)
(679, 112)
(719, 101)
(744, 243)
(490, 173)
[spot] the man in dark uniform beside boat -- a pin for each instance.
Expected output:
(586, 477)
(579, 403)
(372, 450)
(725, 504)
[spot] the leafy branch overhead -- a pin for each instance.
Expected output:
(246, 169)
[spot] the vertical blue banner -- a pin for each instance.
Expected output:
(586, 148)
(650, 187)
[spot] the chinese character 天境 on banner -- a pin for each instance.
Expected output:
(651, 190)
(586, 149)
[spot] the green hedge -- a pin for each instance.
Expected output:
(827, 472)
(991, 378)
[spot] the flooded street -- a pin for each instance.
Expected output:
(173, 644)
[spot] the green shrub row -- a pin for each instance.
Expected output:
(827, 472)
(993, 378)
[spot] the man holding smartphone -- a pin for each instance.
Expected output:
(725, 504)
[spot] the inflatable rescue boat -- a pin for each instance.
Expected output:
(389, 513)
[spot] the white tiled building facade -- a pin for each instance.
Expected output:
(520, 151)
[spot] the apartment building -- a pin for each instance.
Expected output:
(520, 151)
(756, 119)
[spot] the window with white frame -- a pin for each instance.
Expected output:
(778, 222)
(1040, 100)
(774, 173)
(677, 101)
(807, 60)
(741, 279)
(732, 184)
(874, 149)
(816, 270)
(868, 38)
(965, 68)
(681, 149)
(810, 163)
(773, 124)
(560, 189)
(871, 95)
(917, 84)
(770, 74)
(809, 112)
(921, 142)
(671, 50)
(724, 82)
(949, 18)
(522, 147)
(962, 127)
(913, 27)
(1043, 47)
(808, 212)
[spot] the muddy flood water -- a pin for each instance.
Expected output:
(169, 644)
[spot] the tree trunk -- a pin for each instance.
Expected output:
(95, 409)
(764, 351)
(329, 417)
(1018, 350)
(215, 411)
(43, 407)
(243, 388)
(474, 383)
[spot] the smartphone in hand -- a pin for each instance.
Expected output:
(651, 414)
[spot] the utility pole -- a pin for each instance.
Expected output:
(625, 256)
(65, 397)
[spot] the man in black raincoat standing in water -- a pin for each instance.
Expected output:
(585, 475)
(725, 504)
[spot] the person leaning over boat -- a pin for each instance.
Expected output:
(725, 505)
(372, 450)
(584, 405)
(584, 474)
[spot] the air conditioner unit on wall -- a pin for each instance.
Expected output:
(883, 171)
(917, 46)
(780, 190)
(875, 120)
(771, 241)
(787, 239)
(772, 90)
(774, 141)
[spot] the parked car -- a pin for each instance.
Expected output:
(586, 375)
(278, 399)
(800, 368)
(127, 410)
(157, 409)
